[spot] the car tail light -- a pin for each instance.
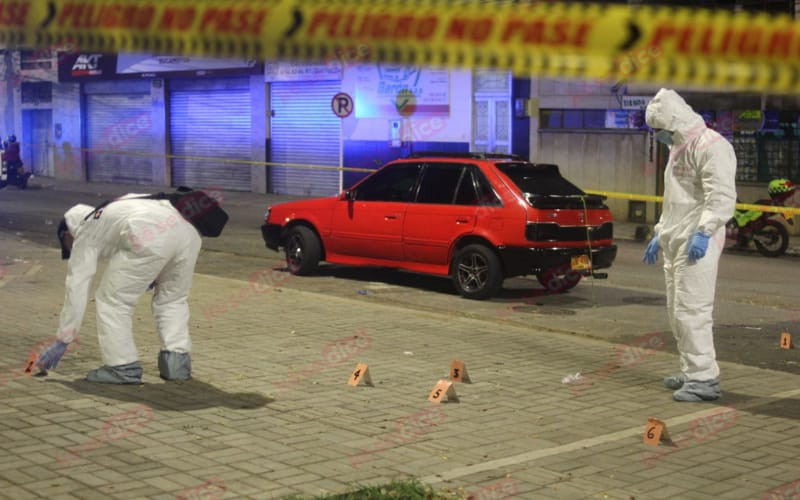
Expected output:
(542, 231)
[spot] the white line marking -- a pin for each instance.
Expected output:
(530, 456)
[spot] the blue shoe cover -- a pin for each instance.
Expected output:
(120, 374)
(674, 382)
(175, 365)
(695, 390)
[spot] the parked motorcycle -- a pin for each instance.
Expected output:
(765, 229)
(11, 169)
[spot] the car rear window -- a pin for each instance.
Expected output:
(540, 179)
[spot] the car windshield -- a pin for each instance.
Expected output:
(538, 180)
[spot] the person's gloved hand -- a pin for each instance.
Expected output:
(651, 252)
(698, 246)
(49, 359)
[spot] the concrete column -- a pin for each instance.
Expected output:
(534, 120)
(67, 136)
(258, 131)
(162, 174)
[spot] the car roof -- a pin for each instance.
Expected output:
(493, 158)
(445, 155)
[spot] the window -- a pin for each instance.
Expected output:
(35, 59)
(540, 179)
(36, 92)
(475, 190)
(392, 183)
(439, 183)
(486, 194)
(581, 119)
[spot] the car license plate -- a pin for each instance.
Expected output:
(581, 262)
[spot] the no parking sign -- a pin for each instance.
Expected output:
(342, 105)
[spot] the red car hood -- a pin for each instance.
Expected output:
(315, 210)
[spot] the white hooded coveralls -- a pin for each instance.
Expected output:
(145, 241)
(699, 195)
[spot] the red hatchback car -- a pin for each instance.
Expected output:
(476, 217)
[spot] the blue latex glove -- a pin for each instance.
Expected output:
(49, 359)
(698, 246)
(651, 252)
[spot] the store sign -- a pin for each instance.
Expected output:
(86, 66)
(748, 120)
(635, 101)
(154, 66)
(98, 66)
(288, 71)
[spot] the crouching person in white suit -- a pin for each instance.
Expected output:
(146, 242)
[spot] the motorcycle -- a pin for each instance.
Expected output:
(11, 169)
(765, 229)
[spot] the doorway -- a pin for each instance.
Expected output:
(492, 127)
(35, 142)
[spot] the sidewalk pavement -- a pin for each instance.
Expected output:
(269, 412)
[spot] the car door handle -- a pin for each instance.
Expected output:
(462, 220)
(390, 217)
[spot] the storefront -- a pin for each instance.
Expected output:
(118, 131)
(303, 129)
(210, 128)
(166, 120)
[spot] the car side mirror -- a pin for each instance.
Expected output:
(349, 195)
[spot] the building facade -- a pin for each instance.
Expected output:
(289, 127)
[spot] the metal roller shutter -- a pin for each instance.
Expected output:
(119, 129)
(304, 130)
(211, 124)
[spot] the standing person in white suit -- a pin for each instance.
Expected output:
(146, 241)
(699, 198)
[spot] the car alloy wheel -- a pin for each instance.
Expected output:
(477, 272)
(303, 250)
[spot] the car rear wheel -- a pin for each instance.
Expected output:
(477, 272)
(557, 280)
(303, 250)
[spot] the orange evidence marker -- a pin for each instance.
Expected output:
(786, 340)
(361, 373)
(440, 390)
(458, 372)
(31, 363)
(655, 432)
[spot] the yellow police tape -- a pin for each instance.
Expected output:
(789, 211)
(216, 160)
(704, 48)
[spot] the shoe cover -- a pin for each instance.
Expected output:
(694, 390)
(674, 382)
(120, 374)
(175, 365)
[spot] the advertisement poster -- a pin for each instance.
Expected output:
(394, 91)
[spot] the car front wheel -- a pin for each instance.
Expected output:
(303, 250)
(477, 272)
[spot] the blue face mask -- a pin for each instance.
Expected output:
(664, 136)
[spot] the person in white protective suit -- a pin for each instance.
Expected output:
(699, 198)
(147, 243)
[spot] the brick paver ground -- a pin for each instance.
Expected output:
(269, 412)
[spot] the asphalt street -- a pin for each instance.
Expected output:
(757, 297)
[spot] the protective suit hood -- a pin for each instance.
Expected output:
(75, 215)
(669, 111)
